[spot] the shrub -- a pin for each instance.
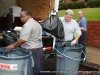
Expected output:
(86, 0)
(93, 3)
(71, 5)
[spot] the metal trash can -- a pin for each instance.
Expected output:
(15, 62)
(67, 58)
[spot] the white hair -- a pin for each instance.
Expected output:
(69, 11)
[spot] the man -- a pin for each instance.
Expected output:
(83, 27)
(70, 27)
(31, 38)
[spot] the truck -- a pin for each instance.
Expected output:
(10, 17)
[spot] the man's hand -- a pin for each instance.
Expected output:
(73, 42)
(10, 47)
(16, 44)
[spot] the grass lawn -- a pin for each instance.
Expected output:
(89, 13)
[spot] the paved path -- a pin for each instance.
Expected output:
(93, 54)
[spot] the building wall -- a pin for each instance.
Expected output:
(93, 34)
(66, 1)
(39, 8)
(81, 0)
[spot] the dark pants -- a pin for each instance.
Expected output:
(37, 74)
(38, 60)
(82, 41)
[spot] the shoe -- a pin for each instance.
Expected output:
(83, 60)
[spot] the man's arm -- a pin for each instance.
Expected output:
(84, 25)
(83, 29)
(16, 44)
(75, 40)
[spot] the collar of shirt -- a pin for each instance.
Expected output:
(27, 21)
(81, 18)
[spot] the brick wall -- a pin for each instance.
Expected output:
(66, 1)
(39, 9)
(93, 34)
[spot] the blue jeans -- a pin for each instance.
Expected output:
(82, 41)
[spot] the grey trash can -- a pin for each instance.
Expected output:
(16, 62)
(67, 58)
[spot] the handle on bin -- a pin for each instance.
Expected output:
(71, 57)
(68, 44)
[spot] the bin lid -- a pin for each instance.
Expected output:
(16, 53)
(67, 46)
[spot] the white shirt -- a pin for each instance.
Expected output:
(31, 32)
(70, 28)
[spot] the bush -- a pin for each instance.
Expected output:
(71, 5)
(93, 3)
(62, 6)
(86, 0)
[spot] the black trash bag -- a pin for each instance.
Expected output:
(11, 36)
(13, 53)
(54, 26)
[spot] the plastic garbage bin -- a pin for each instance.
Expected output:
(15, 62)
(67, 58)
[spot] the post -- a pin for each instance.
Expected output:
(56, 5)
(10, 19)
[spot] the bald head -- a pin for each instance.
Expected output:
(80, 14)
(25, 15)
(27, 12)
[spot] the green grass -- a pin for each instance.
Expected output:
(89, 13)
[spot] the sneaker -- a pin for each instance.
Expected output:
(83, 60)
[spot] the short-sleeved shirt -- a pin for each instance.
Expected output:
(70, 28)
(31, 32)
(82, 22)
